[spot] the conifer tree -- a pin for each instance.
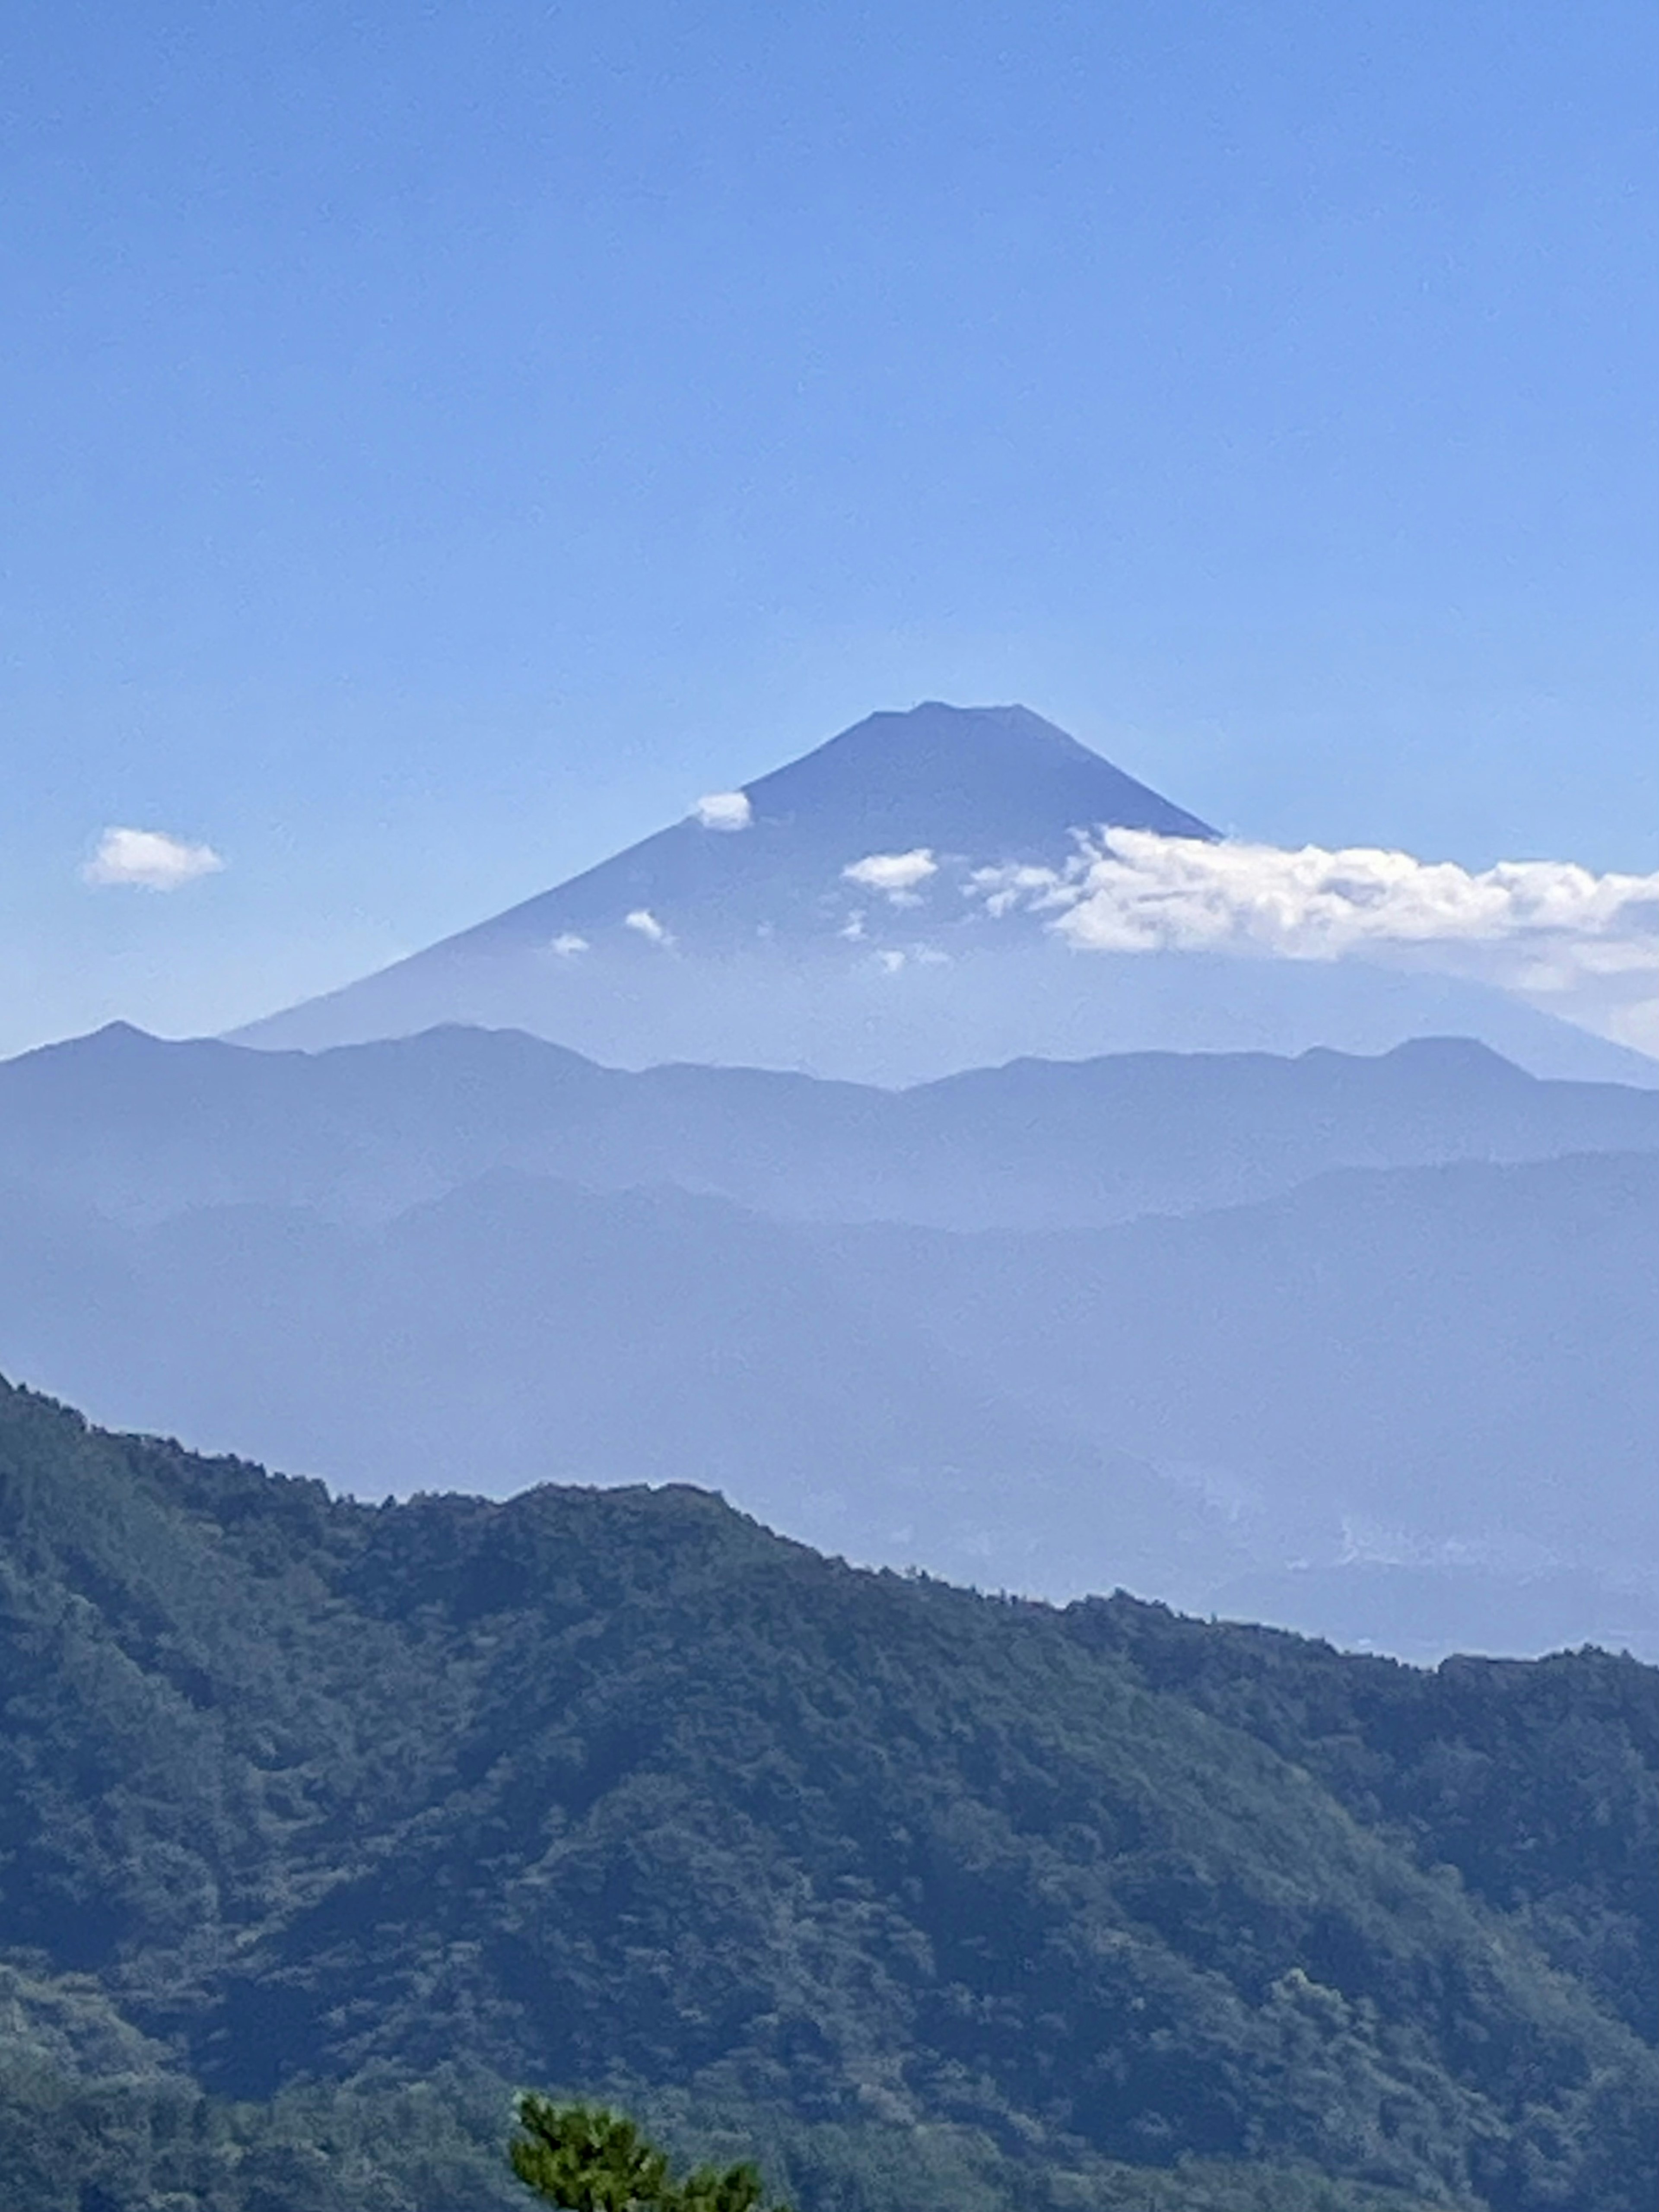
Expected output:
(581, 2157)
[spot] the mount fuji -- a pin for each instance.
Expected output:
(829, 917)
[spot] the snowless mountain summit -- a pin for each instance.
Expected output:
(860, 851)
(961, 785)
(834, 916)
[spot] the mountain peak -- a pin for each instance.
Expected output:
(834, 917)
(801, 864)
(117, 1039)
(953, 787)
(994, 782)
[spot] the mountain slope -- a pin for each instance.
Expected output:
(616, 1790)
(140, 1129)
(1457, 1356)
(828, 918)
(517, 1331)
(1415, 1407)
(969, 784)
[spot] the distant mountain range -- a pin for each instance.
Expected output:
(356, 1816)
(1359, 1344)
(140, 1128)
(831, 917)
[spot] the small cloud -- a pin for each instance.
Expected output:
(645, 924)
(724, 810)
(853, 928)
(890, 961)
(1018, 884)
(567, 945)
(149, 859)
(896, 875)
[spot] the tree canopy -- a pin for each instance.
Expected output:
(582, 2158)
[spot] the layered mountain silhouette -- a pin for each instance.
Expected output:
(140, 1128)
(825, 918)
(1404, 1394)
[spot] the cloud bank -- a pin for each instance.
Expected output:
(1137, 890)
(724, 810)
(148, 859)
(1549, 929)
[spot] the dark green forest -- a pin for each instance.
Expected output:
(325, 1826)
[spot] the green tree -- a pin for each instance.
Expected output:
(584, 2159)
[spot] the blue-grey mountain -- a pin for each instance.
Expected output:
(1405, 1394)
(141, 1128)
(738, 936)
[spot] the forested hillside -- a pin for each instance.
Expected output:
(320, 1823)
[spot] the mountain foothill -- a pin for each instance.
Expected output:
(737, 1326)
(325, 1823)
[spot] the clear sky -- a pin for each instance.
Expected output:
(440, 441)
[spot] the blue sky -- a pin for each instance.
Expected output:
(439, 442)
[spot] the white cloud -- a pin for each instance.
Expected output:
(1551, 930)
(896, 875)
(1138, 889)
(1005, 888)
(567, 945)
(724, 810)
(645, 924)
(149, 859)
(891, 961)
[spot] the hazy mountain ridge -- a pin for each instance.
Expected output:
(1368, 1402)
(614, 1789)
(1433, 1388)
(518, 1330)
(1480, 1314)
(139, 1128)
